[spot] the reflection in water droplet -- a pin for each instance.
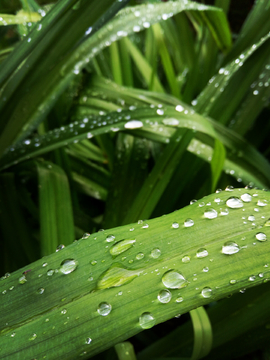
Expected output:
(188, 223)
(121, 246)
(110, 238)
(210, 214)
(68, 266)
(175, 225)
(147, 320)
(261, 236)
(246, 197)
(206, 292)
(116, 276)
(186, 259)
(164, 296)
(174, 280)
(201, 253)
(230, 248)
(262, 202)
(155, 253)
(234, 203)
(104, 309)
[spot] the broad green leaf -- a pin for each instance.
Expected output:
(234, 256)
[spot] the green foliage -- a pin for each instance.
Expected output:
(112, 112)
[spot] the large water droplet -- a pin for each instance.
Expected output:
(68, 266)
(262, 202)
(201, 253)
(115, 276)
(104, 309)
(261, 236)
(121, 246)
(174, 280)
(133, 124)
(155, 253)
(230, 248)
(234, 203)
(164, 296)
(210, 214)
(246, 197)
(188, 223)
(147, 320)
(206, 292)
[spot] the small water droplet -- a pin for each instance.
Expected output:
(229, 188)
(64, 311)
(139, 256)
(50, 272)
(186, 259)
(22, 279)
(206, 292)
(155, 253)
(224, 212)
(210, 214)
(68, 266)
(104, 309)
(164, 296)
(175, 225)
(147, 320)
(44, 264)
(179, 108)
(88, 341)
(40, 290)
(261, 236)
(116, 275)
(59, 247)
(234, 203)
(201, 253)
(121, 246)
(262, 202)
(232, 281)
(188, 223)
(230, 248)
(85, 236)
(252, 278)
(110, 238)
(12, 334)
(33, 337)
(179, 299)
(174, 280)
(206, 269)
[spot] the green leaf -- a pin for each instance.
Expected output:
(64, 306)
(20, 18)
(217, 162)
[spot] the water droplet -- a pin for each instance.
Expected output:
(22, 279)
(93, 262)
(170, 122)
(59, 247)
(179, 108)
(201, 253)
(110, 238)
(139, 256)
(33, 337)
(179, 299)
(155, 253)
(85, 236)
(164, 296)
(13, 334)
(145, 226)
(104, 309)
(88, 341)
(175, 225)
(147, 320)
(230, 248)
(40, 290)
(121, 246)
(232, 281)
(174, 280)
(234, 203)
(116, 275)
(246, 197)
(188, 223)
(252, 278)
(251, 218)
(64, 311)
(206, 292)
(262, 202)
(186, 259)
(261, 236)
(206, 269)
(210, 214)
(229, 188)
(133, 124)
(224, 212)
(50, 272)
(68, 266)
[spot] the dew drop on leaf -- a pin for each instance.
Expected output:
(133, 124)
(174, 280)
(147, 320)
(230, 248)
(262, 202)
(261, 236)
(201, 253)
(155, 253)
(110, 238)
(164, 296)
(59, 247)
(186, 259)
(88, 341)
(210, 214)
(175, 225)
(246, 197)
(188, 223)
(104, 309)
(234, 203)
(121, 246)
(68, 266)
(206, 292)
